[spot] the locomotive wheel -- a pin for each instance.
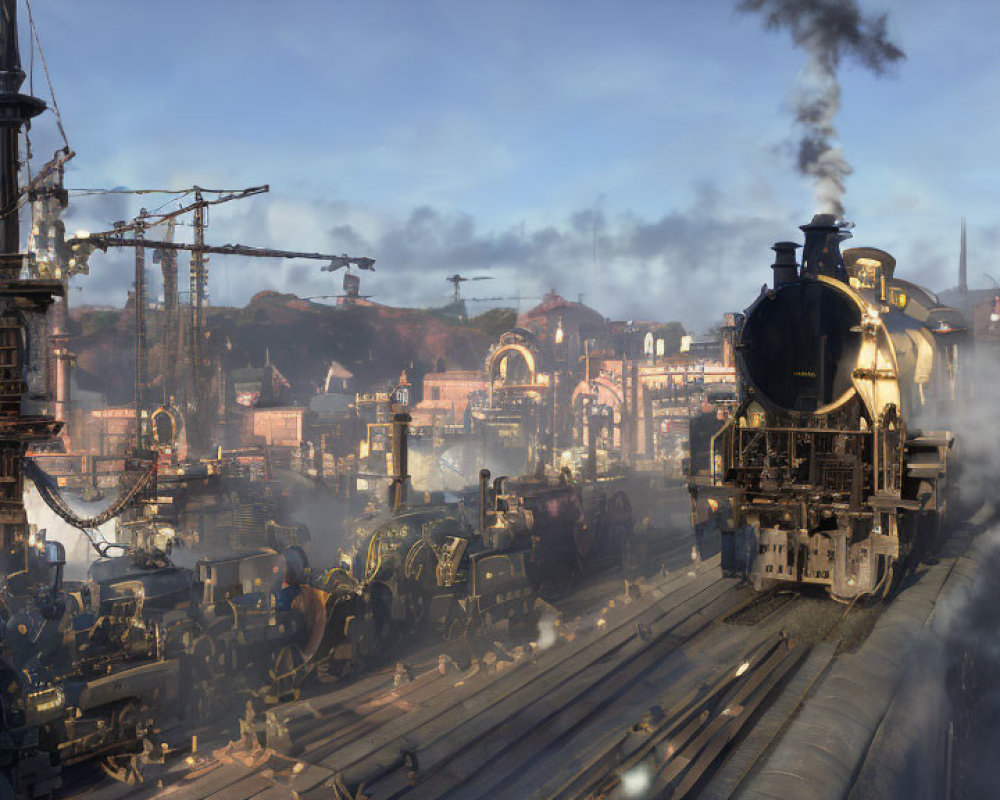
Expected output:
(123, 768)
(128, 723)
(420, 584)
(286, 671)
(371, 647)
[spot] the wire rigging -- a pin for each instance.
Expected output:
(88, 192)
(48, 78)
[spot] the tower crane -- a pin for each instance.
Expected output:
(85, 244)
(458, 280)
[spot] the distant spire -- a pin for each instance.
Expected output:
(963, 268)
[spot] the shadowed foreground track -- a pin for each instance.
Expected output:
(686, 689)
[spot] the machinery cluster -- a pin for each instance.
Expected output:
(143, 648)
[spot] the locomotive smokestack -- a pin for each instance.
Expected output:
(484, 493)
(400, 459)
(786, 268)
(821, 254)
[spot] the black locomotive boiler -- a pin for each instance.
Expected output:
(835, 462)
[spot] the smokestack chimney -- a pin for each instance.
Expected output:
(821, 254)
(484, 493)
(400, 459)
(963, 270)
(786, 268)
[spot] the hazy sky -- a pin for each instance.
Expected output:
(507, 138)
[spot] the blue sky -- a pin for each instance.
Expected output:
(504, 138)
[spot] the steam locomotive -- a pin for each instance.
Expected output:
(90, 666)
(834, 469)
(432, 568)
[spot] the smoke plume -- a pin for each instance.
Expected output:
(828, 31)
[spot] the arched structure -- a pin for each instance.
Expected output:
(597, 411)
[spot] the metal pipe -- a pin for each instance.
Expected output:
(484, 491)
(63, 359)
(400, 459)
(785, 267)
(821, 253)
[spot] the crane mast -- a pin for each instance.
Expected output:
(198, 278)
(167, 249)
(169, 334)
(140, 330)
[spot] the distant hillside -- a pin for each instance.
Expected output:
(301, 337)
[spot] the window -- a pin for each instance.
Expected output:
(435, 393)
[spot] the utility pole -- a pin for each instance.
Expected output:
(197, 280)
(140, 329)
(169, 333)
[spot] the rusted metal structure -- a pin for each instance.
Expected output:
(20, 301)
(47, 244)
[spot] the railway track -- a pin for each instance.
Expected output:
(367, 691)
(681, 691)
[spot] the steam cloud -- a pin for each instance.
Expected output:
(828, 30)
(688, 250)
